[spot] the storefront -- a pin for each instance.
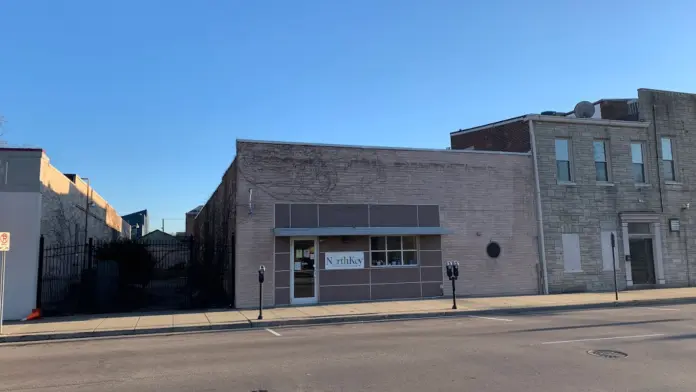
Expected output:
(338, 224)
(356, 252)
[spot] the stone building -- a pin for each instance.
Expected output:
(625, 171)
(348, 223)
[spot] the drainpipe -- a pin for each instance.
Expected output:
(657, 159)
(540, 219)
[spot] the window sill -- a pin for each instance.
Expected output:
(641, 185)
(566, 183)
(603, 183)
(395, 266)
(674, 184)
(574, 272)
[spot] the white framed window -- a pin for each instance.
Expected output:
(393, 251)
(600, 160)
(637, 162)
(563, 163)
(668, 160)
(571, 253)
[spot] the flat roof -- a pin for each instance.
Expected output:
(448, 151)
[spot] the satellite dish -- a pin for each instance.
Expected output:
(584, 109)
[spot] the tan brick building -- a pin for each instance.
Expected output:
(347, 223)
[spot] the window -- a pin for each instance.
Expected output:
(393, 251)
(600, 161)
(563, 160)
(571, 252)
(637, 162)
(639, 228)
(668, 159)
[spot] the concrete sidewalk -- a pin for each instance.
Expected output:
(174, 322)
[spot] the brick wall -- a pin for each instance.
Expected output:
(510, 137)
(213, 227)
(64, 207)
(483, 197)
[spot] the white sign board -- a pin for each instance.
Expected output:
(344, 260)
(4, 242)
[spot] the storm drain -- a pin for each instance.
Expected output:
(611, 354)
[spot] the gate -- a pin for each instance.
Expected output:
(125, 275)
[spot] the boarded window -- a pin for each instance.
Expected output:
(571, 253)
(606, 250)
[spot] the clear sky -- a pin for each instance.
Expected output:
(147, 97)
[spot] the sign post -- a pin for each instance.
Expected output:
(613, 259)
(4, 248)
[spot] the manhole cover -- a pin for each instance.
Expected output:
(611, 354)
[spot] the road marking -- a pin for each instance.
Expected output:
(491, 318)
(666, 309)
(610, 338)
(273, 332)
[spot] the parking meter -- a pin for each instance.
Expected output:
(453, 274)
(262, 274)
(262, 277)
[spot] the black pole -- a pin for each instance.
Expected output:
(39, 278)
(260, 301)
(613, 258)
(454, 295)
(90, 251)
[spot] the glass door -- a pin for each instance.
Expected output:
(303, 283)
(642, 263)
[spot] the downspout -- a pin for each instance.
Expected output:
(537, 196)
(657, 159)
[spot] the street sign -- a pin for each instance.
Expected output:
(4, 248)
(4, 242)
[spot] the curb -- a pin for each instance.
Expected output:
(364, 318)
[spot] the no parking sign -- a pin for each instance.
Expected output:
(4, 242)
(4, 248)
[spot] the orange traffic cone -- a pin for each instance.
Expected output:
(35, 315)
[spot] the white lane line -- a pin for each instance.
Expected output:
(611, 338)
(273, 332)
(666, 309)
(491, 318)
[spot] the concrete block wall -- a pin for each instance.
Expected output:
(483, 197)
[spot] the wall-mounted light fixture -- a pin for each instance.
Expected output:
(674, 225)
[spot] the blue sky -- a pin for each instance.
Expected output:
(147, 97)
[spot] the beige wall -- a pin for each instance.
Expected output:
(63, 210)
(483, 197)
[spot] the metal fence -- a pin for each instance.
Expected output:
(123, 276)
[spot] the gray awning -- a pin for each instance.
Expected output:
(348, 231)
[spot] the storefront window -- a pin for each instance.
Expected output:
(393, 251)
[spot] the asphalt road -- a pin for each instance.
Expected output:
(531, 352)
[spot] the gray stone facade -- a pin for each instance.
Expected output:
(587, 207)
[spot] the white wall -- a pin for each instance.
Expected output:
(20, 214)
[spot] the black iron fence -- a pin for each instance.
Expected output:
(122, 276)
